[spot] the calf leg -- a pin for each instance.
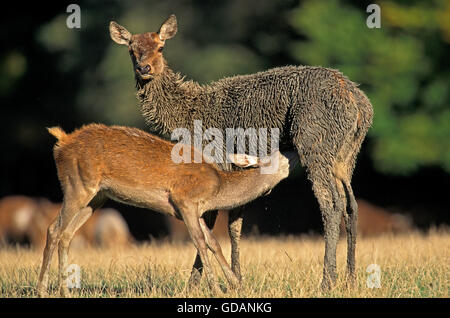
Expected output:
(63, 246)
(191, 219)
(69, 209)
(197, 269)
(52, 240)
(235, 218)
(68, 230)
(214, 246)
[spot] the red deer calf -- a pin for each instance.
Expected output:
(128, 165)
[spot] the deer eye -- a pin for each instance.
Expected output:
(160, 49)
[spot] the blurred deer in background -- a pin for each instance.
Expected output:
(26, 219)
(16, 213)
(374, 220)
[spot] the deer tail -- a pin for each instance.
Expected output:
(57, 132)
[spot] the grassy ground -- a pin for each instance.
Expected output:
(412, 265)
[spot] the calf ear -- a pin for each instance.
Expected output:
(119, 34)
(243, 160)
(168, 29)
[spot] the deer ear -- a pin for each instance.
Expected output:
(243, 160)
(119, 34)
(168, 29)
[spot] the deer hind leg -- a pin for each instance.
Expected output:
(197, 268)
(191, 219)
(352, 219)
(74, 201)
(68, 211)
(331, 207)
(235, 218)
(343, 172)
(351, 223)
(63, 246)
(52, 241)
(350, 214)
(214, 246)
(67, 234)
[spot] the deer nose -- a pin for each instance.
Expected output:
(145, 69)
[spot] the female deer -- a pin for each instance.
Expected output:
(319, 112)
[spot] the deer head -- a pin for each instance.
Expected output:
(145, 48)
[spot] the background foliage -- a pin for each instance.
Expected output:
(54, 75)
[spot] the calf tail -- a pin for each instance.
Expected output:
(57, 132)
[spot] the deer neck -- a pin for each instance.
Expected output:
(240, 187)
(169, 102)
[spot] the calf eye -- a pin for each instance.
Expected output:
(160, 49)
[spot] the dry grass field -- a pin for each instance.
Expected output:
(412, 265)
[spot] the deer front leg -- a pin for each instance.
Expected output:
(235, 218)
(197, 268)
(214, 246)
(191, 220)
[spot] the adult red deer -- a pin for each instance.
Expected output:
(319, 113)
